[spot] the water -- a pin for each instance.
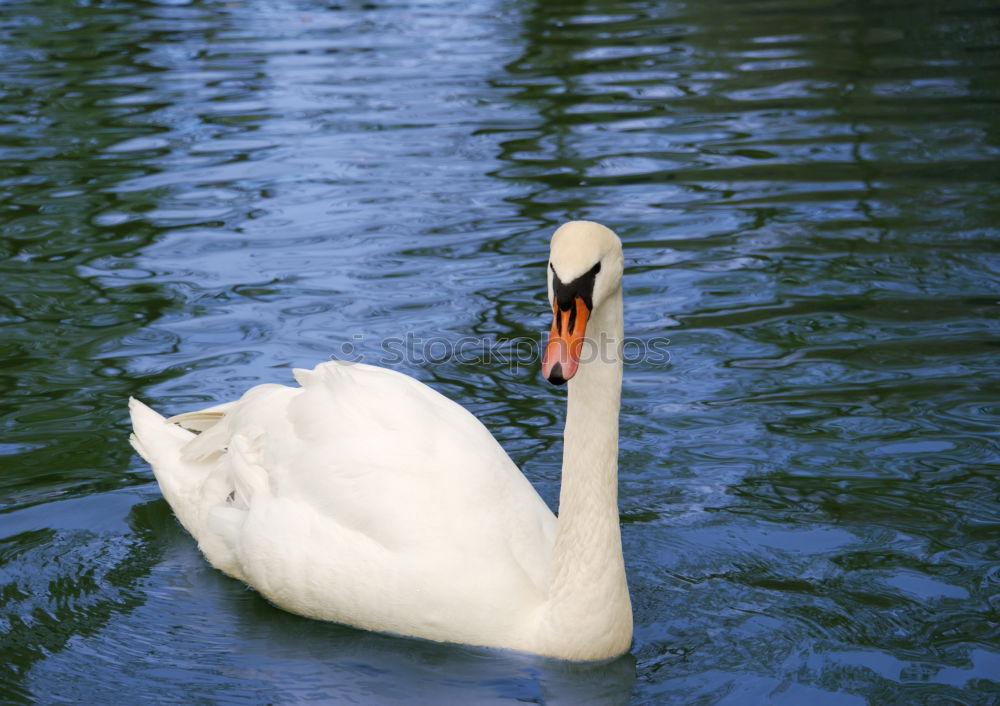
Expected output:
(196, 197)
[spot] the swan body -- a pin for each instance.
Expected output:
(365, 497)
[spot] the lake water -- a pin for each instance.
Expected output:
(196, 197)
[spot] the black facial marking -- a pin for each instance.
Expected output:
(582, 286)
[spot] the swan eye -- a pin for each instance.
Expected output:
(582, 287)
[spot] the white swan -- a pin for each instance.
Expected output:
(365, 497)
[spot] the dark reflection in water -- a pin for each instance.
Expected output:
(195, 197)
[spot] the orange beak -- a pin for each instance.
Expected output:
(562, 352)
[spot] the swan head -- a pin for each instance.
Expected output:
(584, 270)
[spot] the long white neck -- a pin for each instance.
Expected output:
(588, 611)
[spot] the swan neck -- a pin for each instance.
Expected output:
(590, 437)
(588, 594)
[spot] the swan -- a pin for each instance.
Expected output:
(367, 498)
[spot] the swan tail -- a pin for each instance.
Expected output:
(155, 438)
(161, 444)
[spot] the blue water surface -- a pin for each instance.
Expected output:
(198, 195)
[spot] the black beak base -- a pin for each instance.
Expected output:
(555, 375)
